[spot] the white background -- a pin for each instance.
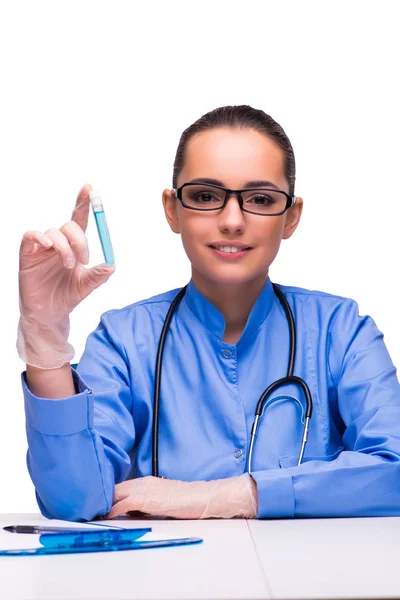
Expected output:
(100, 92)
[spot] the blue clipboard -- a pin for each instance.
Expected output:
(109, 540)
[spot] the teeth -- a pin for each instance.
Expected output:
(229, 248)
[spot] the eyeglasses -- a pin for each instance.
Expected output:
(259, 201)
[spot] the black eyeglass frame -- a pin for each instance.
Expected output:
(290, 200)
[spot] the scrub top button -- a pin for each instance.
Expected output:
(238, 453)
(227, 354)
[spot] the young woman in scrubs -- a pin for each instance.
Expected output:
(90, 429)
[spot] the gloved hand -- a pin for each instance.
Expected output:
(52, 282)
(224, 498)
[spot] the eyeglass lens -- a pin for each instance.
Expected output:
(260, 201)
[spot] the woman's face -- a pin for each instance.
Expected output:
(234, 158)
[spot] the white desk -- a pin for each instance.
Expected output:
(330, 558)
(322, 558)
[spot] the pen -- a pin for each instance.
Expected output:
(49, 529)
(102, 228)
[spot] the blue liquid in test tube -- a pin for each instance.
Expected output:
(102, 229)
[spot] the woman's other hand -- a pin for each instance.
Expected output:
(221, 498)
(52, 282)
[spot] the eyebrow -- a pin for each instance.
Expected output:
(249, 184)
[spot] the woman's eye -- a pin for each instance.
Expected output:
(205, 198)
(263, 199)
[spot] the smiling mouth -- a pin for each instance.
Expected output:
(230, 249)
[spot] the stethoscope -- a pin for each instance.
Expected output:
(290, 378)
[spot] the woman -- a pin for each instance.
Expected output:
(90, 430)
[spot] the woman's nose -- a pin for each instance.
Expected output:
(231, 216)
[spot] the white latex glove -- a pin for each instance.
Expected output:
(224, 498)
(50, 287)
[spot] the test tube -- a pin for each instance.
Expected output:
(102, 229)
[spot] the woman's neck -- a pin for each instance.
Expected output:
(234, 301)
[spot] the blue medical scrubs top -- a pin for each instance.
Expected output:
(80, 447)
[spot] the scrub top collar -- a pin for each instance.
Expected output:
(212, 319)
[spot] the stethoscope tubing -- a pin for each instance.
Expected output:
(157, 379)
(290, 378)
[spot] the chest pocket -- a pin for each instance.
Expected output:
(291, 461)
(280, 431)
(287, 416)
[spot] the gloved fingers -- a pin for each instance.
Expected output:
(94, 278)
(123, 506)
(80, 214)
(77, 240)
(31, 239)
(62, 246)
(124, 489)
(140, 486)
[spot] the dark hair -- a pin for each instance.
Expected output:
(239, 117)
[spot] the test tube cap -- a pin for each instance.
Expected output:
(95, 199)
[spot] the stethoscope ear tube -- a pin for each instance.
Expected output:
(157, 379)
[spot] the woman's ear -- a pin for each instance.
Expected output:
(170, 203)
(293, 215)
